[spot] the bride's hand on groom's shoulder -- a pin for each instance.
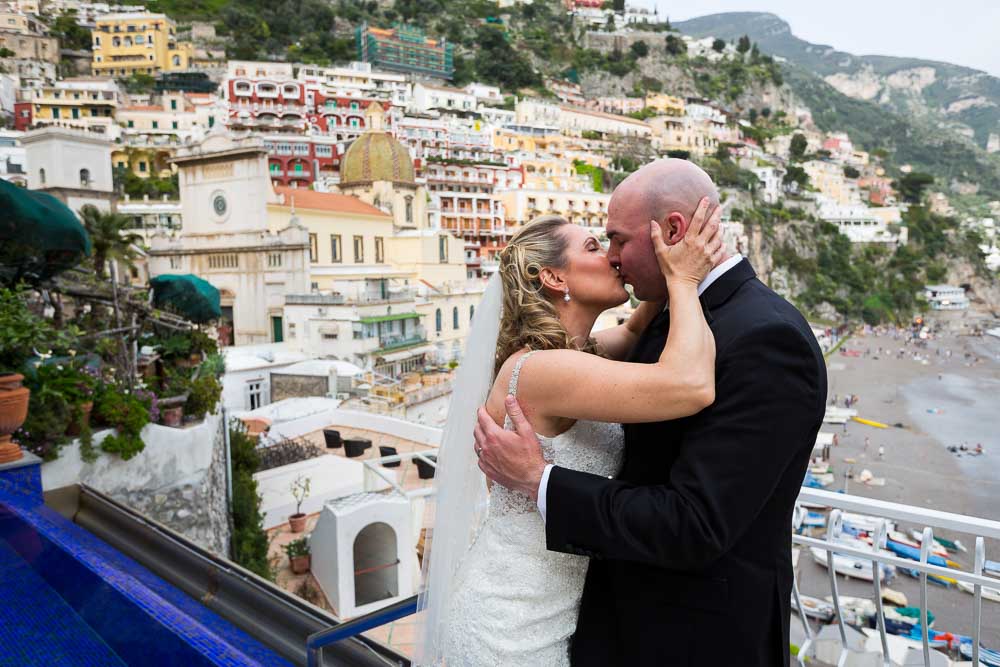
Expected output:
(510, 458)
(692, 257)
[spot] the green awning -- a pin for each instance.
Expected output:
(187, 295)
(39, 235)
(389, 318)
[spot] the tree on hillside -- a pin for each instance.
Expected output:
(71, 34)
(743, 45)
(797, 149)
(796, 175)
(911, 186)
(640, 49)
(675, 45)
(718, 45)
(497, 62)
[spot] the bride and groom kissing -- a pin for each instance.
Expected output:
(639, 482)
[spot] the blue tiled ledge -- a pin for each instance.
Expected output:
(209, 636)
(23, 479)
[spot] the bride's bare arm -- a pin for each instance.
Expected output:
(617, 342)
(576, 385)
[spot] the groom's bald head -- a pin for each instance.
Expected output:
(665, 186)
(667, 191)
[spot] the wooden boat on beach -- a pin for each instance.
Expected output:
(991, 594)
(815, 608)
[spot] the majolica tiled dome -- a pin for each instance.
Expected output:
(376, 156)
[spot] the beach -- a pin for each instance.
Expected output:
(944, 392)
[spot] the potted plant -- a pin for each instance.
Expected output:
(176, 388)
(299, 555)
(300, 491)
(203, 396)
(21, 332)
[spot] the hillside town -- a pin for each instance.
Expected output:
(339, 224)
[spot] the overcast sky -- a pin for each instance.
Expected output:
(963, 32)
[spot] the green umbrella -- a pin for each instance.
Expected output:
(39, 235)
(187, 295)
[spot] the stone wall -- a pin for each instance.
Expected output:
(298, 386)
(178, 480)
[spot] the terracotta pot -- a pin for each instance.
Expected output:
(300, 564)
(297, 522)
(172, 416)
(76, 427)
(13, 412)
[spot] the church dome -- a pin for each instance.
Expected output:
(376, 156)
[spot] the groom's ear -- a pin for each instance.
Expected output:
(675, 226)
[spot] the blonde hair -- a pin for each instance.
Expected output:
(529, 318)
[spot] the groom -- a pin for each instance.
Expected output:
(690, 546)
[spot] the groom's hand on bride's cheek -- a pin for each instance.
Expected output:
(510, 458)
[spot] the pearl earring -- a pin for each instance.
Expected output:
(566, 298)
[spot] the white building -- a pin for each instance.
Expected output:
(770, 182)
(72, 165)
(358, 79)
(946, 297)
(12, 158)
(152, 216)
(441, 98)
(224, 188)
(859, 223)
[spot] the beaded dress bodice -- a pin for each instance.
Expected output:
(516, 602)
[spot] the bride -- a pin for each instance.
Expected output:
(494, 595)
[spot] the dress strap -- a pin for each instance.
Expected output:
(516, 373)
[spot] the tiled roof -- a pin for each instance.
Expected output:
(326, 201)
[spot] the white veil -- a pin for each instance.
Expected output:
(460, 503)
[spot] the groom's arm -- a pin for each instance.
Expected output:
(732, 458)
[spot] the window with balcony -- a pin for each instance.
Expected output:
(359, 250)
(335, 249)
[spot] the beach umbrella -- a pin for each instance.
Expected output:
(39, 235)
(187, 295)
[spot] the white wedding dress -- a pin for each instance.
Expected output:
(515, 603)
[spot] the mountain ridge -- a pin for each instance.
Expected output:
(961, 100)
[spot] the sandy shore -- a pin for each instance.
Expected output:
(949, 400)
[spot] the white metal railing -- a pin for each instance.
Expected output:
(884, 512)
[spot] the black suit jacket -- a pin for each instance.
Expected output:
(691, 545)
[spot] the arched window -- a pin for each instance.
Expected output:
(177, 61)
(454, 317)
(437, 314)
(472, 313)
(85, 178)
(41, 176)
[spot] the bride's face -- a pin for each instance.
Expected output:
(591, 279)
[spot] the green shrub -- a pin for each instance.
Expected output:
(204, 396)
(126, 412)
(249, 538)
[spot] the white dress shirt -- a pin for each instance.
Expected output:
(712, 276)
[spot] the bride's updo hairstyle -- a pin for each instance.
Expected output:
(529, 317)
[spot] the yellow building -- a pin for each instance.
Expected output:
(84, 103)
(587, 209)
(667, 104)
(138, 42)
